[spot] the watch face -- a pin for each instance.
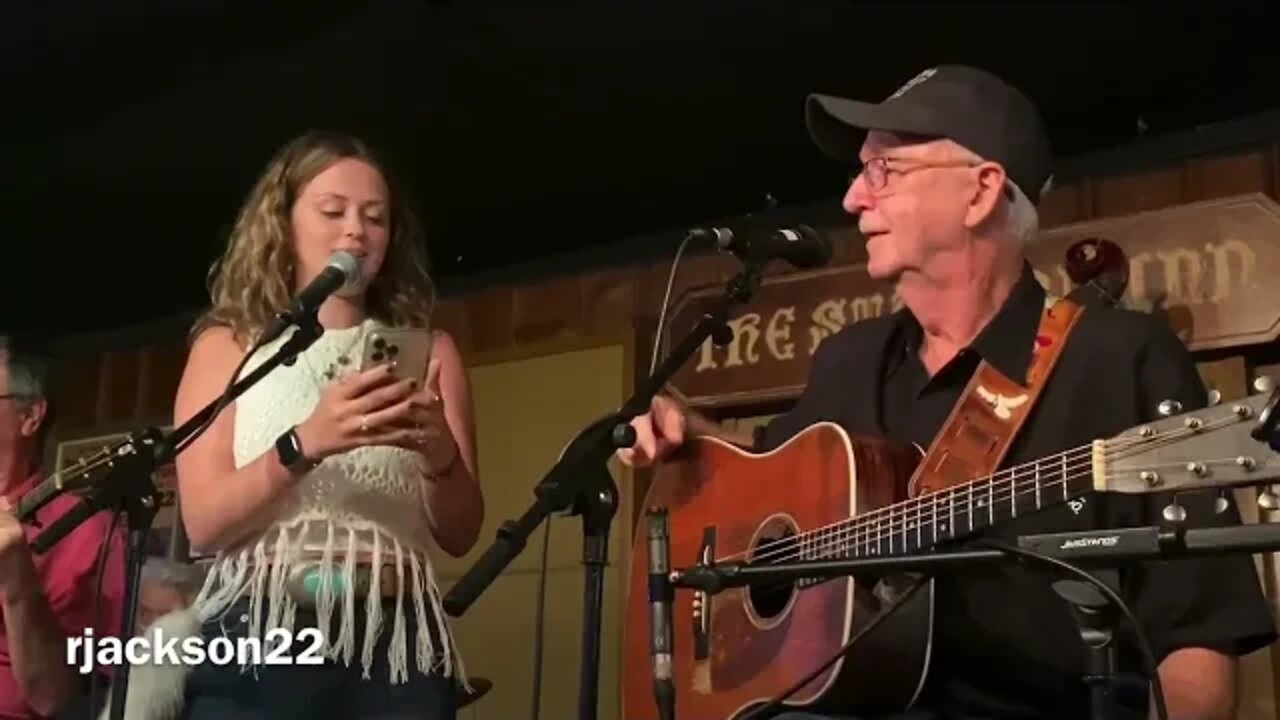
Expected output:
(288, 448)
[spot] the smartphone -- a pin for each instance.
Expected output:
(407, 349)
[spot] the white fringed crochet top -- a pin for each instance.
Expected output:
(368, 502)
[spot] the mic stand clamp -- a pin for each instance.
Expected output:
(1096, 618)
(580, 484)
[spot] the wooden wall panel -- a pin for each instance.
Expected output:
(164, 363)
(549, 310)
(120, 397)
(75, 391)
(489, 315)
(1134, 193)
(1231, 175)
(452, 316)
(608, 300)
(1066, 204)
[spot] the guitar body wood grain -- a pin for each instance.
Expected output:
(752, 645)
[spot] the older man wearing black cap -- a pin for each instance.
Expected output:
(952, 166)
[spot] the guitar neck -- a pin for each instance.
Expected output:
(956, 512)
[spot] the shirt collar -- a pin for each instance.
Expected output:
(1008, 339)
(16, 492)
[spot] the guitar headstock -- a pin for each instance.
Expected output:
(1211, 448)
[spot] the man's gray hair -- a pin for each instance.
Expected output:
(1019, 216)
(28, 373)
(28, 382)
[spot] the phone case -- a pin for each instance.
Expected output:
(410, 350)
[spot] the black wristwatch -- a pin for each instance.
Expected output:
(289, 450)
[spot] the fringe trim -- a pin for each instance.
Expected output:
(264, 577)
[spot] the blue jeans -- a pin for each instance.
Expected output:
(303, 692)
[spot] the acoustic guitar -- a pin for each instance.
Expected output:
(826, 494)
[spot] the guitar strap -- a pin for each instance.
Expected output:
(992, 410)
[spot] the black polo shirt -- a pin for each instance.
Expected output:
(1005, 644)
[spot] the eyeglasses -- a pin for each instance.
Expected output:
(876, 170)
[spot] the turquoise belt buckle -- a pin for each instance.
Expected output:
(311, 582)
(305, 583)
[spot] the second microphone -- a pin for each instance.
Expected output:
(800, 246)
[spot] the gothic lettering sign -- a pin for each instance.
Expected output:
(1203, 266)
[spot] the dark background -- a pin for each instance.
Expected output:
(527, 130)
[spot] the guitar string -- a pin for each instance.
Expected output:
(876, 525)
(872, 537)
(884, 522)
(985, 486)
(982, 486)
(880, 525)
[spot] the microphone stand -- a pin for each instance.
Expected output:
(1108, 548)
(1096, 619)
(128, 486)
(580, 484)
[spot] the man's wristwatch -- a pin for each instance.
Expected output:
(289, 450)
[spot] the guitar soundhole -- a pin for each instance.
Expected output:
(774, 543)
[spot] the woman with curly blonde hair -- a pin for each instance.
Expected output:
(326, 487)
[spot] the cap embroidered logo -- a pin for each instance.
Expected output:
(1048, 185)
(925, 75)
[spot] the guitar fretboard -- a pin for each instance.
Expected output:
(953, 513)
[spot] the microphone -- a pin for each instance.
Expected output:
(661, 640)
(801, 246)
(342, 268)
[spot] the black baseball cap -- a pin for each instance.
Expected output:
(965, 104)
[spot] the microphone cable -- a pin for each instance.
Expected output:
(658, 344)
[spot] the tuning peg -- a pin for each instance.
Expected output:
(1263, 384)
(1215, 397)
(1221, 504)
(1174, 512)
(1169, 408)
(1267, 500)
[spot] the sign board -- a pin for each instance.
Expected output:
(1203, 266)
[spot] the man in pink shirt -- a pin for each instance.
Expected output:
(45, 599)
